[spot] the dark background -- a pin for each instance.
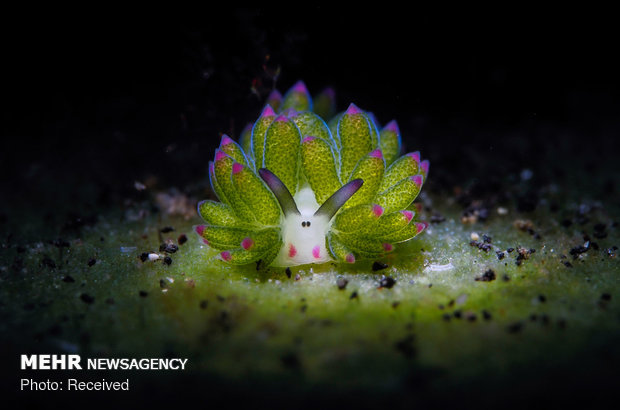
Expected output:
(103, 104)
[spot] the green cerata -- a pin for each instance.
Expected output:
(297, 190)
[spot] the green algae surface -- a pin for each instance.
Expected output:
(464, 308)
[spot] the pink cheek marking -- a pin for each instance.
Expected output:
(206, 242)
(226, 256)
(350, 258)
(316, 252)
(200, 229)
(292, 251)
(388, 247)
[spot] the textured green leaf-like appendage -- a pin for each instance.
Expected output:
(370, 169)
(258, 135)
(355, 139)
(303, 144)
(258, 198)
(282, 145)
(319, 168)
(297, 98)
(223, 172)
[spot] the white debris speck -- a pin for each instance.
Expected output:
(439, 268)
(502, 211)
(153, 256)
(474, 236)
(139, 186)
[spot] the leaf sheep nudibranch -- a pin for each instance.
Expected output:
(297, 189)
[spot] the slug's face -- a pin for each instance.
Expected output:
(297, 190)
(305, 225)
(303, 238)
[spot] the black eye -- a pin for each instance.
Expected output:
(308, 223)
(303, 224)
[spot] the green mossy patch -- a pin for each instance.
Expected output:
(442, 317)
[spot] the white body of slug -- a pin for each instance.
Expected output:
(305, 224)
(304, 234)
